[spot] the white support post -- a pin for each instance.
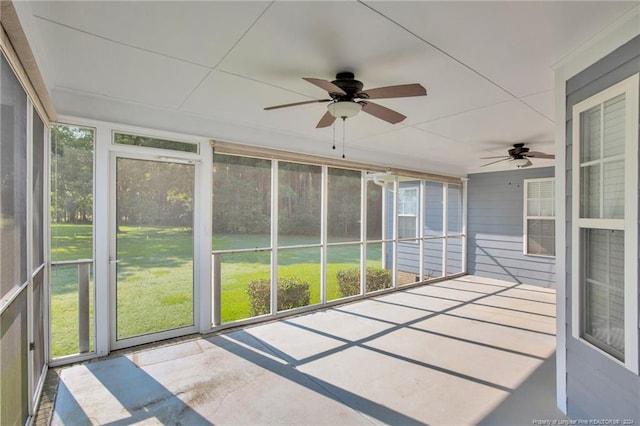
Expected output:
(465, 237)
(445, 226)
(422, 209)
(394, 244)
(274, 237)
(324, 186)
(363, 232)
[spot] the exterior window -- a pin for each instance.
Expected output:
(408, 212)
(539, 217)
(605, 217)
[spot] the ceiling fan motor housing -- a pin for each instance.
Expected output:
(347, 82)
(517, 150)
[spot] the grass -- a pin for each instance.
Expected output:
(155, 277)
(69, 242)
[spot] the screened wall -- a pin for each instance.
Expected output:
(153, 235)
(22, 253)
(288, 234)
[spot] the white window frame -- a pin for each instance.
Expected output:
(630, 87)
(415, 215)
(527, 216)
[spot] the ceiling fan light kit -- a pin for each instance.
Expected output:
(344, 109)
(520, 162)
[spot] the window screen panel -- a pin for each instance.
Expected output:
(613, 194)
(344, 195)
(38, 190)
(39, 330)
(590, 190)
(533, 198)
(433, 214)
(406, 226)
(14, 389)
(13, 171)
(299, 202)
(241, 204)
(454, 209)
(541, 236)
(613, 126)
(375, 211)
(603, 261)
(590, 121)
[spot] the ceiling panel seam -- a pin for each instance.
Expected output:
(81, 92)
(481, 107)
(197, 86)
(265, 82)
(453, 58)
(131, 46)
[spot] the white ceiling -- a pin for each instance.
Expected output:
(209, 69)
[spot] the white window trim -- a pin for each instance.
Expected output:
(415, 216)
(526, 216)
(629, 224)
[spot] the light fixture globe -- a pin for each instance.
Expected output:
(520, 162)
(344, 109)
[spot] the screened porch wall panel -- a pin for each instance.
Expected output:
(408, 255)
(495, 228)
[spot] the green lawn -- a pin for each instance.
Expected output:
(155, 277)
(68, 242)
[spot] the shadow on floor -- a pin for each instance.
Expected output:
(231, 343)
(141, 397)
(533, 400)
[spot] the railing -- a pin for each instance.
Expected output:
(216, 277)
(84, 270)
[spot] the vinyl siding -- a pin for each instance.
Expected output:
(495, 227)
(408, 259)
(597, 387)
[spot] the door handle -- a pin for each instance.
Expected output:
(113, 261)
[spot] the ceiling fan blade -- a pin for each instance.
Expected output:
(326, 85)
(536, 154)
(498, 161)
(401, 91)
(326, 120)
(490, 158)
(296, 104)
(382, 113)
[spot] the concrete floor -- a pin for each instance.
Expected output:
(465, 351)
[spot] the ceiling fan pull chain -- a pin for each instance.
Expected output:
(334, 135)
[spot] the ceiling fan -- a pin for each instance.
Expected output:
(519, 155)
(347, 98)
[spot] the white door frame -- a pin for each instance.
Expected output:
(137, 153)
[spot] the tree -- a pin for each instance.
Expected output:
(72, 174)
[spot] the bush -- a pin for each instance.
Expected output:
(349, 280)
(292, 293)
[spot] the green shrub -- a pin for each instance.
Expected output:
(349, 280)
(292, 293)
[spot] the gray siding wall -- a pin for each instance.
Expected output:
(409, 253)
(495, 228)
(596, 386)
